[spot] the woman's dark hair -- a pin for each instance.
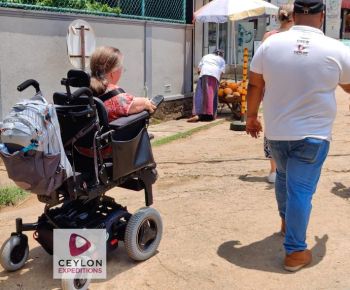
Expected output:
(103, 60)
(219, 52)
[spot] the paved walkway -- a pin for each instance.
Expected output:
(172, 127)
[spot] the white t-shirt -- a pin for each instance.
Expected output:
(212, 65)
(301, 68)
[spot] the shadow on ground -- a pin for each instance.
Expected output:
(341, 190)
(248, 178)
(266, 255)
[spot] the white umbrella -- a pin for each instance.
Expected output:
(220, 11)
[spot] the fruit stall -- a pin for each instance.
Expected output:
(232, 93)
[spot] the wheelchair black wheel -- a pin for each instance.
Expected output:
(14, 252)
(143, 234)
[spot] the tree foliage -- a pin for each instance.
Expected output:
(89, 5)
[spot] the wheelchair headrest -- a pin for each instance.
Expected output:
(76, 78)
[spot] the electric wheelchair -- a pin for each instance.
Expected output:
(103, 155)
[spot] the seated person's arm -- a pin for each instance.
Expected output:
(140, 104)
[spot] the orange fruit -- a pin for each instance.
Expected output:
(233, 86)
(228, 91)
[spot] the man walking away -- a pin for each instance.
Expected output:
(300, 70)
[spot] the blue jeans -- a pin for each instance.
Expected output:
(299, 165)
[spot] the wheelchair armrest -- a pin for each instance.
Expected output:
(126, 121)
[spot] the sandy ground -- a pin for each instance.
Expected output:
(220, 221)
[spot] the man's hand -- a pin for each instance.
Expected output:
(255, 92)
(253, 126)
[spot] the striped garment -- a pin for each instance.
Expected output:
(205, 100)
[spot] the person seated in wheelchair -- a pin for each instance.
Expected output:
(106, 66)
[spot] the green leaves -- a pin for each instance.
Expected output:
(88, 5)
(11, 195)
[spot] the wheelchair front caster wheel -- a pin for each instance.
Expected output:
(76, 281)
(143, 234)
(75, 284)
(14, 252)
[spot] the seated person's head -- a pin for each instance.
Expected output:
(106, 67)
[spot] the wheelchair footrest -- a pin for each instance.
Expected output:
(132, 184)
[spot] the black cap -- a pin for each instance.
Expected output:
(308, 6)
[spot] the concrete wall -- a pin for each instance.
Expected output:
(167, 60)
(198, 35)
(157, 56)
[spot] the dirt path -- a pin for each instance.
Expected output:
(220, 219)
